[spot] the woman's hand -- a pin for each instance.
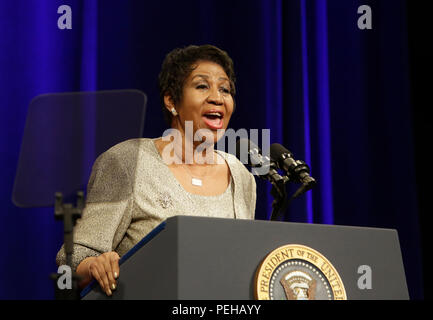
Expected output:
(104, 269)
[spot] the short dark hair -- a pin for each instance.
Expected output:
(178, 65)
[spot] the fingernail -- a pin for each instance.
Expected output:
(113, 286)
(115, 275)
(109, 292)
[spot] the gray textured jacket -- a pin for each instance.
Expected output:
(131, 190)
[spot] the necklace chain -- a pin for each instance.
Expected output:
(194, 181)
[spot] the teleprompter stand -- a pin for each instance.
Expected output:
(64, 134)
(69, 214)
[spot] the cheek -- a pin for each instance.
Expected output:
(191, 104)
(190, 113)
(229, 111)
(227, 118)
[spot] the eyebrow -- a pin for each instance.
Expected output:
(207, 77)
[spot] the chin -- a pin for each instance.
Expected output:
(210, 139)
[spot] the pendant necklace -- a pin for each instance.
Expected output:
(198, 182)
(194, 181)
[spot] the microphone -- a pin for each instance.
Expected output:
(262, 166)
(297, 170)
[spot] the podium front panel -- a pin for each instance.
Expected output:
(214, 258)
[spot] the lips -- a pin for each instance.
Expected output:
(213, 119)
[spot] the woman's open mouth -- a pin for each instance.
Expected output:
(213, 119)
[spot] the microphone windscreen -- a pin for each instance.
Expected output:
(277, 150)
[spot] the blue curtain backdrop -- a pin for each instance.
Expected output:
(338, 97)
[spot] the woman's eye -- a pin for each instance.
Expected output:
(202, 86)
(225, 90)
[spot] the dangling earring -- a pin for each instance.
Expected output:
(174, 112)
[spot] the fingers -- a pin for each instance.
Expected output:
(105, 270)
(115, 265)
(98, 273)
(111, 283)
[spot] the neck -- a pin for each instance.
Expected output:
(181, 150)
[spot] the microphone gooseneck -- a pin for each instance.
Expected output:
(262, 166)
(297, 170)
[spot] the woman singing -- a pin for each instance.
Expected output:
(139, 183)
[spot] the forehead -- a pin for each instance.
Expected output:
(208, 68)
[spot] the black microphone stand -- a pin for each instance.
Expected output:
(278, 182)
(266, 168)
(280, 203)
(69, 215)
(299, 175)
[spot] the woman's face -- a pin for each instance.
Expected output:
(206, 100)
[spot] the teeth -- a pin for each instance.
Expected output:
(214, 114)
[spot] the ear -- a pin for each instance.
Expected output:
(168, 101)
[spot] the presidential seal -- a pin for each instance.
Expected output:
(297, 272)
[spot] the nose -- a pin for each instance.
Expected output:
(215, 97)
